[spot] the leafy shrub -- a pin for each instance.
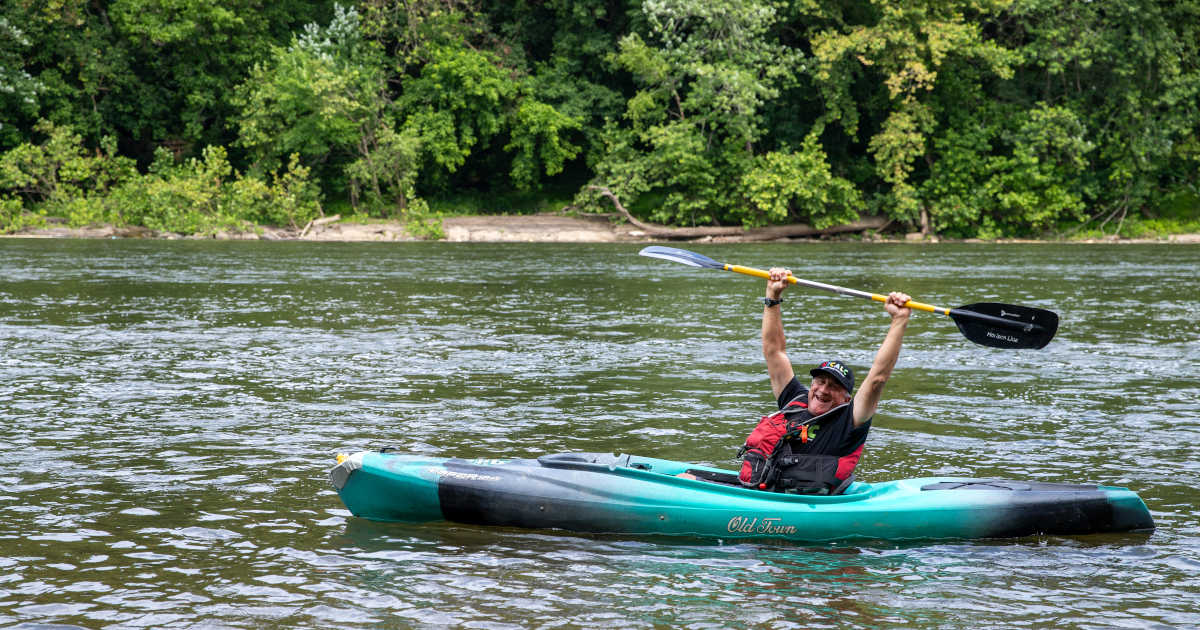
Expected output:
(196, 196)
(13, 216)
(60, 168)
(787, 186)
(420, 222)
(290, 199)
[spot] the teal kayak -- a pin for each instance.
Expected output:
(627, 494)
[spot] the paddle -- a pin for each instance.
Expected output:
(986, 323)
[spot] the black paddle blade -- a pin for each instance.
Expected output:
(1005, 325)
(682, 256)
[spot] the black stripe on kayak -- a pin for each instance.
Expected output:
(1035, 507)
(547, 499)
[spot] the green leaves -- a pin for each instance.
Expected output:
(386, 170)
(910, 46)
(18, 89)
(59, 167)
(457, 104)
(312, 97)
(1018, 177)
(464, 99)
(539, 142)
(705, 70)
(61, 178)
(792, 187)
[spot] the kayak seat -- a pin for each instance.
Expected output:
(841, 487)
(731, 479)
(725, 479)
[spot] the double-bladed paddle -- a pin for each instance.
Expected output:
(985, 323)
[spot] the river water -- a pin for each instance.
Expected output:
(170, 411)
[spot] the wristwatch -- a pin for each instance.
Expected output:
(769, 302)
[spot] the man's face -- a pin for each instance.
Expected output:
(824, 394)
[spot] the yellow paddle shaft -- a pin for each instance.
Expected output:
(751, 271)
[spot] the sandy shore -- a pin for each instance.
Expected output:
(523, 228)
(540, 228)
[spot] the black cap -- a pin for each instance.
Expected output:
(838, 371)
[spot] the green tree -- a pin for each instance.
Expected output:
(967, 117)
(465, 99)
(539, 142)
(705, 72)
(906, 47)
(457, 104)
(786, 185)
(18, 89)
(324, 97)
(149, 72)
(1129, 70)
(565, 45)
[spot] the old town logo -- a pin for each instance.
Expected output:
(755, 525)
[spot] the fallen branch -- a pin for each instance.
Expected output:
(318, 223)
(768, 233)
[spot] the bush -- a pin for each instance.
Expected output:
(420, 222)
(14, 218)
(291, 199)
(789, 186)
(60, 168)
(196, 196)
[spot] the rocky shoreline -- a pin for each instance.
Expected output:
(537, 228)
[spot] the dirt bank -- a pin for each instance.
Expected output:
(524, 228)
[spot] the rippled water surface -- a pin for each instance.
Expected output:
(171, 409)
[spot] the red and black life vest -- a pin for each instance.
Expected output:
(779, 454)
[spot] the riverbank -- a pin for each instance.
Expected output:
(536, 228)
(519, 228)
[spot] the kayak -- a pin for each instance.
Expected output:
(627, 494)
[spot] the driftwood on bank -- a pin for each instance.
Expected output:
(319, 222)
(768, 233)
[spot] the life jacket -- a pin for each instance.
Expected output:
(768, 462)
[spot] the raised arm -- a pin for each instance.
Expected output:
(774, 344)
(871, 390)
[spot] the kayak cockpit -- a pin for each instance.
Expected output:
(612, 462)
(590, 460)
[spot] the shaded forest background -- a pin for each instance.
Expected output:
(956, 117)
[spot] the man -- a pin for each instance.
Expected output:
(814, 443)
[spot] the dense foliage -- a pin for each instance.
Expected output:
(959, 117)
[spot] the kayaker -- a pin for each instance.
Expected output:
(814, 443)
